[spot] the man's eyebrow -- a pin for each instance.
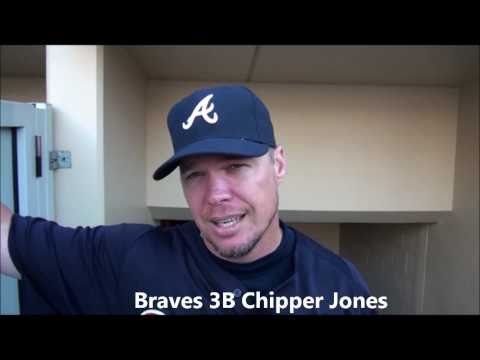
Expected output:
(185, 166)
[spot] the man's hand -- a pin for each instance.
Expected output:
(6, 264)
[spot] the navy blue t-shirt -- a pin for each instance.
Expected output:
(136, 268)
(268, 272)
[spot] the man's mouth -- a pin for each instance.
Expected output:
(228, 221)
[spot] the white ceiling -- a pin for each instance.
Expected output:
(395, 65)
(367, 64)
(222, 63)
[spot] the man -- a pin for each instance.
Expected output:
(236, 257)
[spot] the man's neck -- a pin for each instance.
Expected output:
(269, 242)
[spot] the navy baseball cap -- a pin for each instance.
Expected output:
(223, 120)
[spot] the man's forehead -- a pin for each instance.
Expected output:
(194, 160)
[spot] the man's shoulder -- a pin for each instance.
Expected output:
(311, 247)
(184, 230)
(160, 235)
(316, 255)
(157, 245)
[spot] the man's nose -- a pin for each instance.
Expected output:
(218, 190)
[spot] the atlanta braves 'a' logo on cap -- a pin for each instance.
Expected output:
(202, 109)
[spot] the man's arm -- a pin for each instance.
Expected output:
(6, 263)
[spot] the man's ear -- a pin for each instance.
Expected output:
(280, 163)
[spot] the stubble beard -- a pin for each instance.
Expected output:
(246, 248)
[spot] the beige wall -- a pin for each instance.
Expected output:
(392, 259)
(23, 89)
(429, 268)
(124, 138)
(349, 148)
(325, 234)
(75, 90)
(101, 121)
(452, 279)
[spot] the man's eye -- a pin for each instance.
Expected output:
(236, 166)
(192, 176)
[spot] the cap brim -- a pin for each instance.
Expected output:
(234, 147)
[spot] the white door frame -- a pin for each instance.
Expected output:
(34, 136)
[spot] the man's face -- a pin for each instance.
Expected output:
(234, 202)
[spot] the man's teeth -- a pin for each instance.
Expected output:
(228, 221)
